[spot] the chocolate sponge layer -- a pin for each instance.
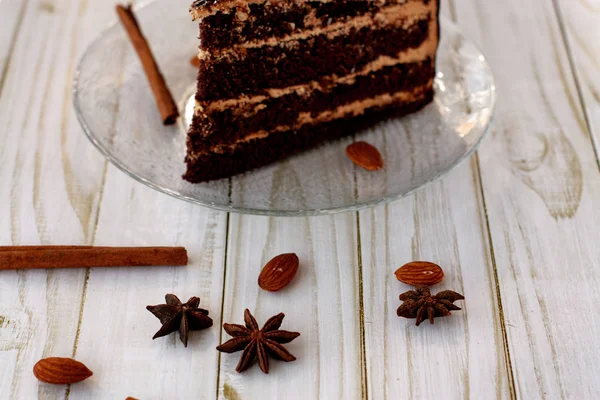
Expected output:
(277, 146)
(223, 30)
(279, 66)
(230, 124)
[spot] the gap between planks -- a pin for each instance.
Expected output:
(488, 232)
(361, 310)
(225, 258)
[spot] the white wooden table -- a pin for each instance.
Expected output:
(516, 228)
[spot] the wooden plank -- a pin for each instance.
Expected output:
(579, 21)
(116, 330)
(51, 184)
(541, 185)
(321, 303)
(461, 356)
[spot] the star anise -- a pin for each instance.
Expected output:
(183, 317)
(420, 304)
(258, 343)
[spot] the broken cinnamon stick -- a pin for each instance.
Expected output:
(164, 99)
(38, 257)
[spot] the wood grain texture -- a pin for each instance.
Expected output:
(114, 318)
(580, 22)
(541, 187)
(45, 199)
(321, 303)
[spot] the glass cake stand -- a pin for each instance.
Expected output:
(116, 108)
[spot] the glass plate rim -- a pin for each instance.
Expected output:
(273, 212)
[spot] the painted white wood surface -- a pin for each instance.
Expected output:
(541, 188)
(533, 187)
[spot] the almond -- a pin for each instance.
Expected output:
(364, 155)
(195, 61)
(57, 370)
(420, 273)
(278, 272)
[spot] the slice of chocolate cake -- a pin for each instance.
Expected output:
(280, 76)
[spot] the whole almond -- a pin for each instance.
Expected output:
(195, 61)
(57, 370)
(420, 273)
(365, 155)
(278, 272)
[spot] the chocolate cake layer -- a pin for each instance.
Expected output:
(279, 66)
(306, 118)
(260, 21)
(233, 123)
(258, 153)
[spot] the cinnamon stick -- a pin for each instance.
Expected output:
(36, 257)
(164, 99)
